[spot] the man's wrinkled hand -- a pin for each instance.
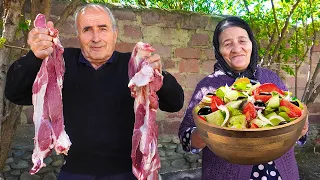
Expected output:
(155, 62)
(40, 41)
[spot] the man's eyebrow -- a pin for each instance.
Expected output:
(89, 27)
(102, 25)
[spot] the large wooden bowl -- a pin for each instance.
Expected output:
(250, 146)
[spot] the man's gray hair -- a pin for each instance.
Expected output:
(92, 5)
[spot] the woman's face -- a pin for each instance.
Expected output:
(235, 47)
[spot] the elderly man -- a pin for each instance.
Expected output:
(97, 104)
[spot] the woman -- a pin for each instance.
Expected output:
(237, 55)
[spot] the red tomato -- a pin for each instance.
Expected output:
(253, 126)
(295, 111)
(267, 87)
(201, 117)
(249, 111)
(215, 102)
(263, 98)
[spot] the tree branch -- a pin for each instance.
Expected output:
(25, 36)
(306, 43)
(10, 25)
(296, 68)
(314, 95)
(47, 8)
(16, 47)
(310, 82)
(72, 6)
(267, 52)
(296, 79)
(1, 7)
(35, 9)
(246, 5)
(9, 127)
(142, 2)
(5, 6)
(247, 8)
(275, 18)
(283, 32)
(304, 56)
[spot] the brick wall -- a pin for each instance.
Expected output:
(183, 40)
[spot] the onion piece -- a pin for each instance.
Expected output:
(250, 98)
(234, 104)
(258, 122)
(206, 99)
(259, 107)
(287, 97)
(225, 109)
(262, 118)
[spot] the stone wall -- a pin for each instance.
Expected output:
(183, 40)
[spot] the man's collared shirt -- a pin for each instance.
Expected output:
(83, 60)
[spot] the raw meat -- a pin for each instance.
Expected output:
(47, 102)
(144, 83)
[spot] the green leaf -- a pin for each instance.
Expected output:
(24, 26)
(2, 41)
(288, 70)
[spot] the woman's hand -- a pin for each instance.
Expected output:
(196, 140)
(305, 128)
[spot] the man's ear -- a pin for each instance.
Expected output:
(116, 33)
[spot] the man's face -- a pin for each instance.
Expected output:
(96, 35)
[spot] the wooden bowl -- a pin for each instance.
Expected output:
(250, 146)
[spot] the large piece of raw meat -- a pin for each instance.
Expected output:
(144, 83)
(47, 102)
